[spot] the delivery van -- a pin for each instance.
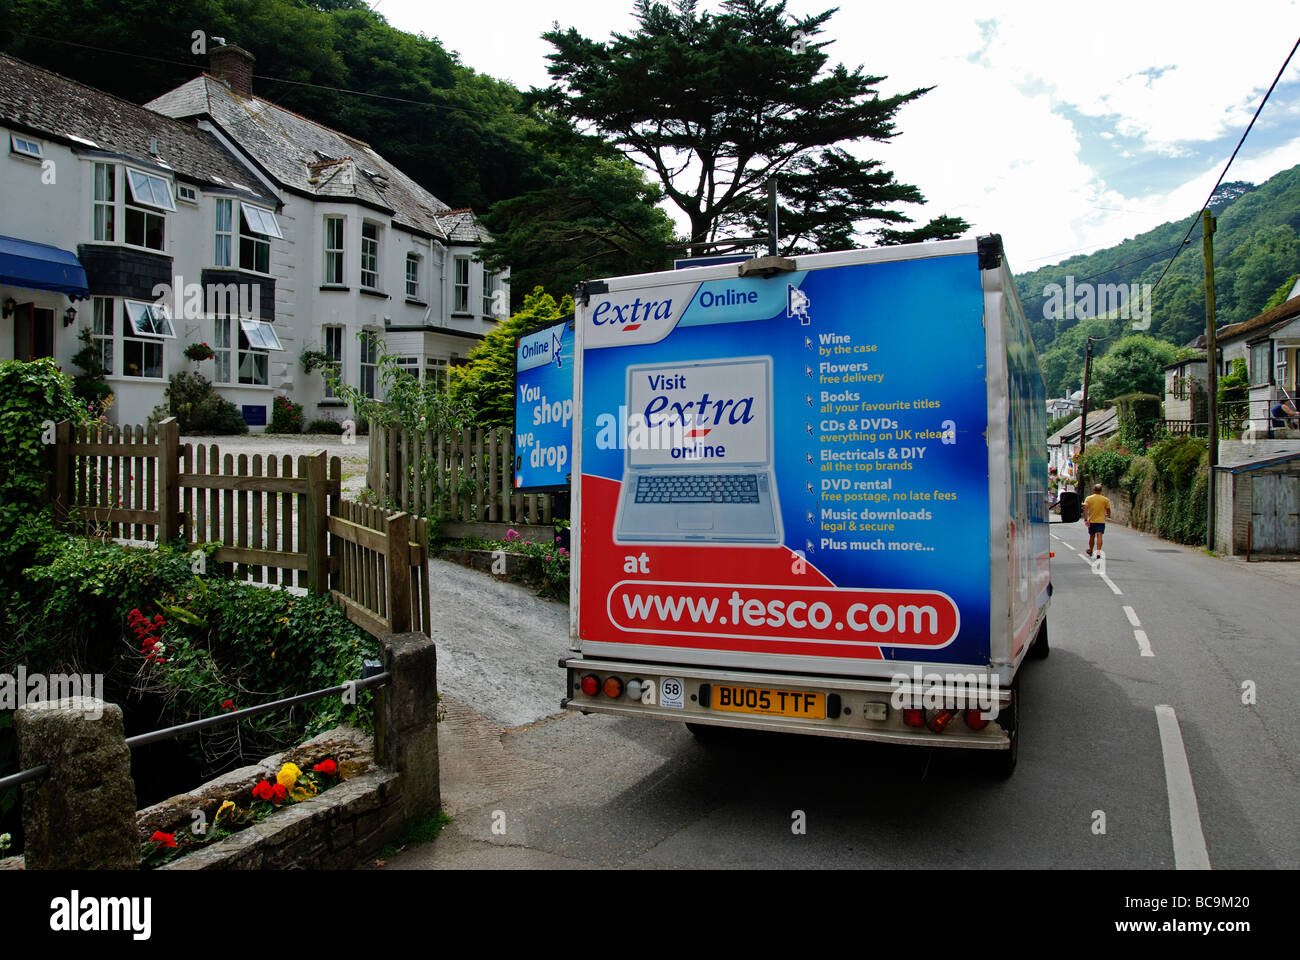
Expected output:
(810, 495)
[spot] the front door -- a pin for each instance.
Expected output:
(33, 332)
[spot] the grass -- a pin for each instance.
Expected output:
(425, 830)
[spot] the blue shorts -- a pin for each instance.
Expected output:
(1096, 528)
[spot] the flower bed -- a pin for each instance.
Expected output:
(545, 565)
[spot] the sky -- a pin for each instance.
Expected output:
(1064, 127)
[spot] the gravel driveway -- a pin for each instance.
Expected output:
(354, 456)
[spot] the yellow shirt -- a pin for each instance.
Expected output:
(1095, 508)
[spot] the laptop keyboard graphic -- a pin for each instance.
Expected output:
(698, 488)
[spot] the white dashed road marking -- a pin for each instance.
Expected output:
(1184, 814)
(1144, 645)
(1132, 616)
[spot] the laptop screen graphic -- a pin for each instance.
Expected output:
(691, 414)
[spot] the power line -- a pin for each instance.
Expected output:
(1192, 226)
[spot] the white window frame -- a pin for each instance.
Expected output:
(334, 351)
(223, 346)
(103, 174)
(150, 190)
(371, 255)
(256, 236)
(436, 369)
(369, 361)
(150, 320)
(224, 256)
(25, 147)
(339, 278)
(187, 194)
(414, 282)
(460, 287)
(146, 211)
(260, 334)
(261, 220)
(488, 278)
(102, 332)
(1260, 373)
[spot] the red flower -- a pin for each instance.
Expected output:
(327, 767)
(262, 791)
(227, 704)
(278, 792)
(166, 839)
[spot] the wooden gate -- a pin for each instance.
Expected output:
(1274, 527)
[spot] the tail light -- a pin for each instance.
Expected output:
(590, 684)
(914, 716)
(975, 719)
(634, 689)
(613, 687)
(940, 720)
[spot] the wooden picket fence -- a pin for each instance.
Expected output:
(461, 478)
(277, 520)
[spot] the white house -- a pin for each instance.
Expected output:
(1270, 345)
(366, 252)
(215, 216)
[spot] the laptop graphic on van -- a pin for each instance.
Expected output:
(698, 454)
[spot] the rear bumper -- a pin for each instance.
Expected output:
(864, 709)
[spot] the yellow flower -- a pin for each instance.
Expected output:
(304, 790)
(288, 776)
(228, 805)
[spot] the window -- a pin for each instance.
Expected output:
(187, 194)
(221, 345)
(413, 262)
(149, 190)
(256, 337)
(1279, 366)
(460, 298)
(333, 350)
(334, 250)
(149, 319)
(225, 233)
(408, 367)
(256, 227)
(1261, 363)
(102, 333)
(370, 255)
(489, 281)
(105, 207)
(144, 228)
(435, 370)
(24, 147)
(142, 348)
(369, 361)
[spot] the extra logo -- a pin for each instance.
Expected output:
(630, 316)
(635, 316)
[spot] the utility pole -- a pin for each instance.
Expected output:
(1211, 370)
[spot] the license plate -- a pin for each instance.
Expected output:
(781, 703)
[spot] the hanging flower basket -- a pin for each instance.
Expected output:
(199, 351)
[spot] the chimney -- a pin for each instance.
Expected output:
(233, 66)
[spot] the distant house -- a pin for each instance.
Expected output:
(1269, 344)
(1063, 446)
(1185, 396)
(1060, 407)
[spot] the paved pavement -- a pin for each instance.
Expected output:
(1127, 760)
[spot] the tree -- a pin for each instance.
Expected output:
(713, 105)
(1135, 364)
(596, 218)
(486, 385)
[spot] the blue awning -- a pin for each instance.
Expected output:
(38, 266)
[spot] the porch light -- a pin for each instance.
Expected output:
(10, 306)
(69, 316)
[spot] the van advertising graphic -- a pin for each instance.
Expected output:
(794, 466)
(544, 408)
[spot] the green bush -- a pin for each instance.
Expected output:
(286, 416)
(30, 394)
(198, 408)
(1104, 463)
(325, 425)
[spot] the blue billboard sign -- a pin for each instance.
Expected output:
(544, 408)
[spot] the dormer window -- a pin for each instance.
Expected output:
(24, 147)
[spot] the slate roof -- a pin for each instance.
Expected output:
(312, 159)
(1101, 423)
(1264, 324)
(57, 108)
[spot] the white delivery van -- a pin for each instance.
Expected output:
(810, 496)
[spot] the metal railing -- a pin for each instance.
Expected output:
(372, 676)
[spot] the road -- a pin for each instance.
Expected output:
(1103, 782)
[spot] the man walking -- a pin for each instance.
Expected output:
(1096, 511)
